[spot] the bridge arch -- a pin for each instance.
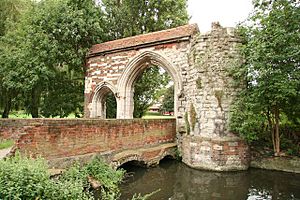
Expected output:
(133, 69)
(99, 97)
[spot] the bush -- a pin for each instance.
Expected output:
(23, 178)
(108, 178)
(28, 178)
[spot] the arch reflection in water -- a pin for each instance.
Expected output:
(179, 182)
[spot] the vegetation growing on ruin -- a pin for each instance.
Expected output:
(193, 116)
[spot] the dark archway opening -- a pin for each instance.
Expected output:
(111, 106)
(167, 158)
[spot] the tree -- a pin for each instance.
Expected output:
(168, 100)
(146, 87)
(272, 54)
(52, 41)
(10, 13)
(132, 17)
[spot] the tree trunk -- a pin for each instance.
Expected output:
(35, 101)
(272, 130)
(7, 107)
(277, 136)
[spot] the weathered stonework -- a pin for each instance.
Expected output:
(198, 64)
(219, 154)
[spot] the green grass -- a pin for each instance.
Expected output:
(6, 144)
(21, 114)
(152, 115)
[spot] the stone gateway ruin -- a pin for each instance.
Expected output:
(203, 91)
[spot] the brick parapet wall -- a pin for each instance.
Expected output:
(61, 138)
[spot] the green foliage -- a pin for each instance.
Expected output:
(178, 154)
(107, 176)
(27, 178)
(111, 106)
(23, 178)
(168, 100)
(132, 17)
(146, 87)
(10, 11)
(271, 71)
(43, 57)
(6, 144)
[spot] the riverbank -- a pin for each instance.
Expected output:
(286, 164)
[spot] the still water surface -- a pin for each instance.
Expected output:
(176, 181)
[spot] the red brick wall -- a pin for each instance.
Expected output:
(61, 138)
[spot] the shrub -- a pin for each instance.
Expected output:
(27, 178)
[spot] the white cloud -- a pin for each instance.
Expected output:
(227, 12)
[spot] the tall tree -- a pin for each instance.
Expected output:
(55, 37)
(10, 13)
(272, 52)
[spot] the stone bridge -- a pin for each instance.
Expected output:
(62, 141)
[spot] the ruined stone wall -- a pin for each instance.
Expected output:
(66, 138)
(208, 144)
(211, 91)
(199, 65)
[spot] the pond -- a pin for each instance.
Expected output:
(176, 181)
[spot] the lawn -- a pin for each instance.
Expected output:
(153, 115)
(6, 144)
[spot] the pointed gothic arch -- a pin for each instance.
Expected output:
(132, 71)
(99, 97)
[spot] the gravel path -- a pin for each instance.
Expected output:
(4, 152)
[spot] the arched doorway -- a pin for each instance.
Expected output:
(132, 72)
(103, 91)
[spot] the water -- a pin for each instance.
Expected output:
(176, 181)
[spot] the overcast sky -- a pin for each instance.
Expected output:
(227, 12)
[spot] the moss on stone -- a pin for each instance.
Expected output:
(187, 123)
(219, 94)
(198, 83)
(193, 116)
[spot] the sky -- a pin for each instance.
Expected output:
(227, 12)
